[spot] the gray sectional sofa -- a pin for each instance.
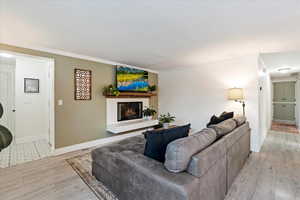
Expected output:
(202, 166)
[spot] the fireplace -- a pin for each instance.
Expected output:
(130, 110)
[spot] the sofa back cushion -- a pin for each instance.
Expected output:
(224, 127)
(158, 140)
(179, 152)
(203, 161)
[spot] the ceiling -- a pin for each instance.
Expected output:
(153, 34)
(275, 61)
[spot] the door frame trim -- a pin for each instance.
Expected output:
(51, 68)
(12, 69)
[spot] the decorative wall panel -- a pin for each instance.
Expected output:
(83, 84)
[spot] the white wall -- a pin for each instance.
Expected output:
(32, 115)
(297, 94)
(195, 94)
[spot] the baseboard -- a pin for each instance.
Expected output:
(94, 143)
(31, 139)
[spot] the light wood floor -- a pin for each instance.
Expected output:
(272, 174)
(24, 152)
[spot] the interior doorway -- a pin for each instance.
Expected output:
(279, 92)
(27, 96)
(7, 96)
(285, 104)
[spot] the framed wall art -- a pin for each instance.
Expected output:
(31, 85)
(83, 84)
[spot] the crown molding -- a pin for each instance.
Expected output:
(75, 55)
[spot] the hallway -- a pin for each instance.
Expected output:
(272, 174)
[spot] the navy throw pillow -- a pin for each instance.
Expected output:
(158, 140)
(227, 115)
(224, 116)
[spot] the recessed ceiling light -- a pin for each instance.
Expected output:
(6, 55)
(284, 70)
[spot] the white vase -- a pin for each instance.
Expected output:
(166, 125)
(148, 117)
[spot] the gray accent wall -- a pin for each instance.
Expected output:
(79, 121)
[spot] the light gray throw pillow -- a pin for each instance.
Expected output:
(240, 120)
(224, 127)
(180, 151)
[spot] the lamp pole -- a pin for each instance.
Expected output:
(243, 104)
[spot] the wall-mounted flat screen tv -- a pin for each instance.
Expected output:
(130, 79)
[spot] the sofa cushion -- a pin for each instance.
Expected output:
(203, 161)
(134, 176)
(158, 140)
(224, 116)
(135, 144)
(179, 152)
(224, 127)
(240, 120)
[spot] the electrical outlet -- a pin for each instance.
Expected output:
(60, 102)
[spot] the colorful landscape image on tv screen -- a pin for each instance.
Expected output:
(130, 79)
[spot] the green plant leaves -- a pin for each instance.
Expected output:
(166, 118)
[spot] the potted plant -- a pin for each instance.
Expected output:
(149, 113)
(166, 119)
(152, 88)
(110, 90)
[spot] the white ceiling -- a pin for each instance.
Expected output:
(275, 61)
(154, 34)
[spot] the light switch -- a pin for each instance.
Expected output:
(60, 102)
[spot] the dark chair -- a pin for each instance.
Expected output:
(5, 135)
(1, 110)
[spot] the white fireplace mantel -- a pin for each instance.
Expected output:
(112, 124)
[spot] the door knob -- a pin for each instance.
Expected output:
(14, 110)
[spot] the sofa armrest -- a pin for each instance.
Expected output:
(143, 178)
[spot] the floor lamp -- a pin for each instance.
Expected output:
(237, 94)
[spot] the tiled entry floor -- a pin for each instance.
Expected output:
(287, 128)
(24, 152)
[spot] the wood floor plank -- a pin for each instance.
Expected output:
(277, 174)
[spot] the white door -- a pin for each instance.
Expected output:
(7, 97)
(33, 112)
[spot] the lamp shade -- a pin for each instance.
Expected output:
(235, 94)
